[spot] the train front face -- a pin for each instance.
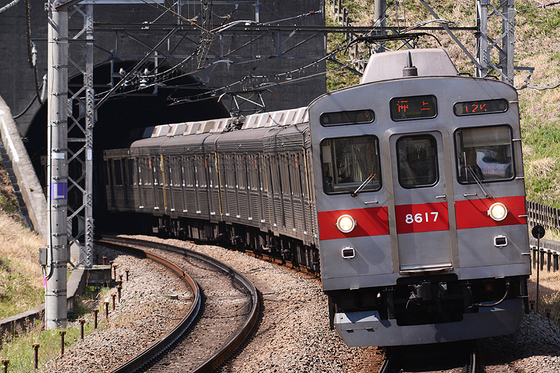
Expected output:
(421, 210)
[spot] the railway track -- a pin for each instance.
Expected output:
(460, 357)
(227, 311)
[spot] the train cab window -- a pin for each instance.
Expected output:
(417, 161)
(350, 164)
(484, 154)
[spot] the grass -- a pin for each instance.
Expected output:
(20, 272)
(549, 293)
(18, 348)
(21, 289)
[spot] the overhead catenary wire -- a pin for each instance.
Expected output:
(8, 6)
(209, 34)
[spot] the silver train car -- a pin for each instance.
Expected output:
(406, 192)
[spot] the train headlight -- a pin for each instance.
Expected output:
(498, 211)
(345, 223)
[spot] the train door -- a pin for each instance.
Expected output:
(420, 198)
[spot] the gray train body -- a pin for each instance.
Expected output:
(406, 192)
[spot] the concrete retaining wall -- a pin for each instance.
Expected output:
(31, 190)
(76, 284)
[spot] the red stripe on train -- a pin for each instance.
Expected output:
(371, 221)
(474, 213)
(424, 217)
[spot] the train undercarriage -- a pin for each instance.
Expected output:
(241, 238)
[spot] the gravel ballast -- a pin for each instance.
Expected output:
(293, 335)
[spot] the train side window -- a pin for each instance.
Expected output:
(230, 171)
(484, 154)
(201, 167)
(183, 173)
(190, 170)
(131, 167)
(118, 172)
(347, 117)
(241, 171)
(295, 175)
(149, 174)
(212, 172)
(140, 165)
(107, 168)
(285, 175)
(417, 161)
(350, 163)
(253, 171)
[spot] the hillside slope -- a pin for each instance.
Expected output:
(537, 44)
(21, 282)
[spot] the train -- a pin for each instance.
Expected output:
(405, 192)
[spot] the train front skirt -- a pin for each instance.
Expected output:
(365, 328)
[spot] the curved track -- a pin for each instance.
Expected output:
(224, 320)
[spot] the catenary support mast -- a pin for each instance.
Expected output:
(57, 166)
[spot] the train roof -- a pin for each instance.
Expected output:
(261, 120)
(389, 65)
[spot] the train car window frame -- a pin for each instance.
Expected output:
(347, 158)
(347, 117)
(486, 156)
(417, 165)
(478, 107)
(285, 175)
(422, 105)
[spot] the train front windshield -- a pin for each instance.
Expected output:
(350, 163)
(484, 154)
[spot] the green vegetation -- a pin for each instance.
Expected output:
(20, 272)
(18, 347)
(537, 42)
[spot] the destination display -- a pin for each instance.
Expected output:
(480, 107)
(414, 107)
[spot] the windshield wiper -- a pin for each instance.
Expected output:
(363, 185)
(478, 182)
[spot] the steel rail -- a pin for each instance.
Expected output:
(156, 349)
(229, 347)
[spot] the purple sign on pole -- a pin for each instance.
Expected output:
(59, 191)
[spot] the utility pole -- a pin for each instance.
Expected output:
(380, 21)
(504, 62)
(57, 167)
